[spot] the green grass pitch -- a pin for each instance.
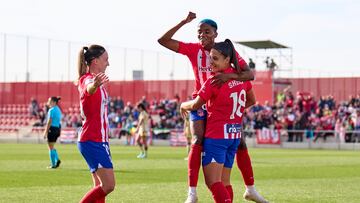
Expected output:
(281, 175)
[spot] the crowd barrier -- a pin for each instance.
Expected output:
(175, 137)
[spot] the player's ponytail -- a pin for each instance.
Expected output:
(233, 58)
(82, 67)
(227, 49)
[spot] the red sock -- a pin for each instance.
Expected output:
(219, 192)
(194, 164)
(230, 191)
(244, 164)
(94, 195)
(101, 200)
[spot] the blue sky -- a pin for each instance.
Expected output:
(324, 34)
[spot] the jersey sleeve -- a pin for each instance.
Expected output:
(50, 113)
(186, 48)
(84, 82)
(206, 90)
(241, 61)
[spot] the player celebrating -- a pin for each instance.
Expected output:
(198, 54)
(225, 106)
(93, 140)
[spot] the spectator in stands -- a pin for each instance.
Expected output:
(289, 99)
(256, 108)
(357, 125)
(267, 62)
(337, 129)
(349, 127)
(94, 135)
(207, 32)
(300, 125)
(280, 97)
(41, 119)
(119, 103)
(127, 128)
(33, 107)
(289, 121)
(128, 109)
(52, 130)
(251, 64)
(143, 131)
(273, 65)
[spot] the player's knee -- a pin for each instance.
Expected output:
(210, 182)
(198, 140)
(108, 188)
(242, 144)
(226, 181)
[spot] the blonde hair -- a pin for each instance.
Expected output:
(82, 67)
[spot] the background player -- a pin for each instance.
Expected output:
(142, 130)
(52, 130)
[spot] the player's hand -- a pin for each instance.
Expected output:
(183, 112)
(45, 136)
(100, 79)
(191, 16)
(220, 79)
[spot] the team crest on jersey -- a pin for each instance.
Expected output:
(200, 112)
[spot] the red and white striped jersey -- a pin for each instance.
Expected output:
(225, 107)
(93, 108)
(200, 61)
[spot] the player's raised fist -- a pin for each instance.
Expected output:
(191, 16)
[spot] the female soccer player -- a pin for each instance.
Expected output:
(198, 54)
(225, 106)
(52, 130)
(142, 130)
(93, 141)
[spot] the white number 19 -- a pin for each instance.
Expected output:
(238, 102)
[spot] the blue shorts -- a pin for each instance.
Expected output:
(96, 154)
(221, 151)
(199, 114)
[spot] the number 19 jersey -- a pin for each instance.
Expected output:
(225, 106)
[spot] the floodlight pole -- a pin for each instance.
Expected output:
(4, 56)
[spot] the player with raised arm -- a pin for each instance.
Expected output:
(198, 54)
(93, 140)
(225, 106)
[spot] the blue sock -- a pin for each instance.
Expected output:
(56, 156)
(52, 157)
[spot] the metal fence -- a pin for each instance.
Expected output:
(34, 59)
(334, 140)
